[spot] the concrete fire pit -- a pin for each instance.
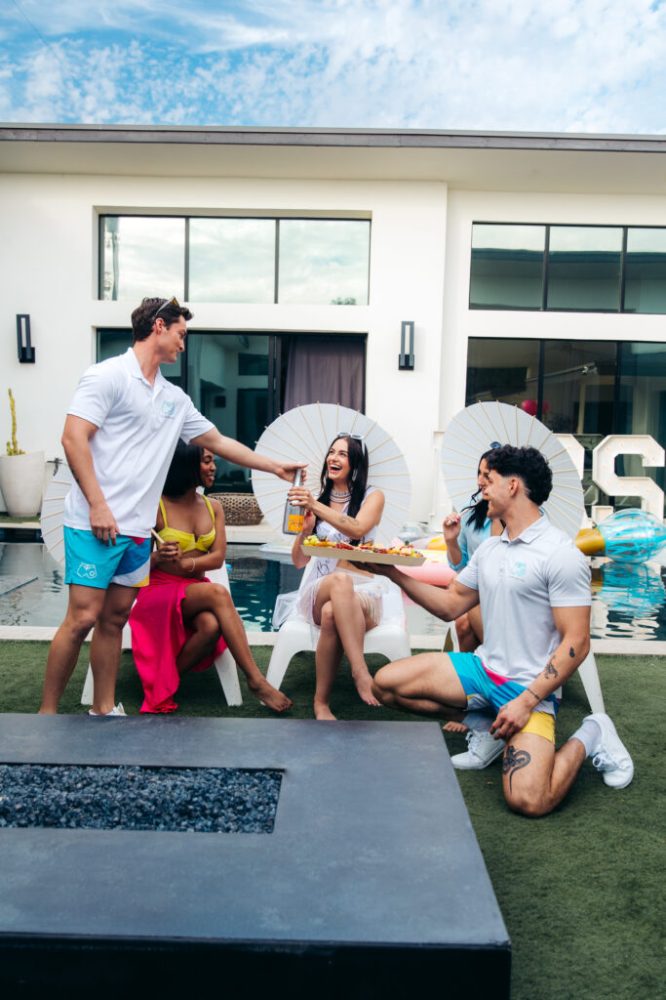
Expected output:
(370, 883)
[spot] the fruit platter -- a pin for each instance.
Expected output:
(366, 552)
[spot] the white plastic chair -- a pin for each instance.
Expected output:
(224, 664)
(389, 638)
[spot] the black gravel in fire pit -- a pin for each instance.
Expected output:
(202, 800)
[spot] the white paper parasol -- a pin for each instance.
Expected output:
(305, 433)
(53, 511)
(484, 425)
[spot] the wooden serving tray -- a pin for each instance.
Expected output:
(361, 555)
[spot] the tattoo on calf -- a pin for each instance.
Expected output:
(514, 760)
(550, 670)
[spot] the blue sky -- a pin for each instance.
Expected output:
(567, 65)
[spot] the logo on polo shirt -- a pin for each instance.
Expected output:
(87, 571)
(518, 570)
(168, 408)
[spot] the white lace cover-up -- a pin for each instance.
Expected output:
(370, 589)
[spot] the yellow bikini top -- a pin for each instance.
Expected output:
(187, 539)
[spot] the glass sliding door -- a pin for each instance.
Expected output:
(111, 342)
(242, 381)
(579, 388)
(642, 373)
(230, 380)
(586, 388)
(507, 370)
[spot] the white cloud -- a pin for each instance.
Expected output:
(588, 65)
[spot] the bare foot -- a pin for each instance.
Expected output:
(455, 727)
(322, 712)
(270, 696)
(363, 684)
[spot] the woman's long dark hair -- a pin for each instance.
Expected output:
(357, 454)
(478, 508)
(184, 471)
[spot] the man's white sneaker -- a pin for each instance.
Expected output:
(610, 756)
(482, 750)
(115, 711)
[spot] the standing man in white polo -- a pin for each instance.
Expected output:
(120, 434)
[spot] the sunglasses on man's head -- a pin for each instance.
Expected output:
(173, 301)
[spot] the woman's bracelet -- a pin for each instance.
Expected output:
(536, 697)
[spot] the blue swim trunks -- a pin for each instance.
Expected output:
(91, 563)
(485, 689)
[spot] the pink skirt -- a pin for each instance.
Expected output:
(158, 635)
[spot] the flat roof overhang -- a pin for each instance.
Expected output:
(497, 161)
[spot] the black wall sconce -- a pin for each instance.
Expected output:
(406, 358)
(26, 352)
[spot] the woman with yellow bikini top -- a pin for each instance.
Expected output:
(182, 621)
(188, 541)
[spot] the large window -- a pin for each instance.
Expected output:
(244, 260)
(231, 260)
(645, 271)
(583, 270)
(142, 256)
(568, 268)
(323, 262)
(507, 267)
(586, 388)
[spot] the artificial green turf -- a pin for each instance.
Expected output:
(581, 890)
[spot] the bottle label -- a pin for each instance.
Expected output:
(294, 524)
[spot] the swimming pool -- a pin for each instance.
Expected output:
(628, 602)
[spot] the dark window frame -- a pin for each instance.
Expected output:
(186, 257)
(545, 275)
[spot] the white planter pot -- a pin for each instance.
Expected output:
(22, 483)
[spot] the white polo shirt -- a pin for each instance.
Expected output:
(139, 427)
(519, 582)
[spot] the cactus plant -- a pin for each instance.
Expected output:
(12, 446)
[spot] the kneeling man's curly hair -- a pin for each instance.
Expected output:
(526, 463)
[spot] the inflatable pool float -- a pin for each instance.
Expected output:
(435, 569)
(629, 536)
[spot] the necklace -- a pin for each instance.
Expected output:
(340, 497)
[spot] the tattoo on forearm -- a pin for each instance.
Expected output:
(550, 670)
(571, 652)
(514, 760)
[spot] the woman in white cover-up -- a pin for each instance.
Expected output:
(344, 601)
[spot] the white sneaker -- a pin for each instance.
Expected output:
(611, 757)
(482, 750)
(115, 711)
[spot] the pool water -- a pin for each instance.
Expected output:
(628, 602)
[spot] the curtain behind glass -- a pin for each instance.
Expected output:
(325, 370)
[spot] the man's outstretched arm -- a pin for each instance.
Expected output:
(239, 454)
(446, 603)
